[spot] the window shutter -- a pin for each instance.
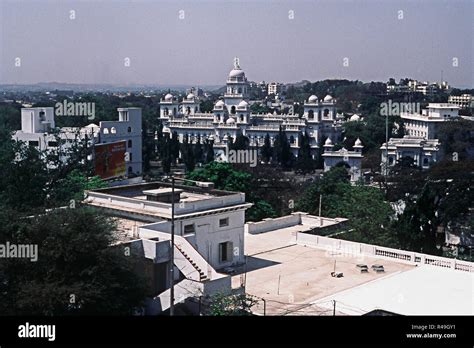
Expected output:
(230, 251)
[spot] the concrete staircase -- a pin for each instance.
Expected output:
(202, 276)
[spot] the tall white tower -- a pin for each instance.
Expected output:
(237, 88)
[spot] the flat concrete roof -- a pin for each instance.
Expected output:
(426, 290)
(125, 228)
(292, 277)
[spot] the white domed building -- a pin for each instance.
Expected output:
(231, 115)
(169, 106)
(352, 160)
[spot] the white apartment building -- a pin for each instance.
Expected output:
(128, 128)
(275, 88)
(38, 129)
(426, 88)
(352, 159)
(465, 101)
(425, 125)
(231, 115)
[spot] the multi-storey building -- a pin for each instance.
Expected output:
(426, 124)
(128, 128)
(38, 129)
(421, 143)
(275, 88)
(231, 115)
(465, 101)
(425, 88)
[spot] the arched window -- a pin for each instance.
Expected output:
(129, 144)
(241, 117)
(232, 110)
(129, 129)
(188, 110)
(310, 114)
(167, 112)
(425, 161)
(113, 130)
(326, 113)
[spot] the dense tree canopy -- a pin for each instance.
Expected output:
(226, 178)
(368, 213)
(77, 271)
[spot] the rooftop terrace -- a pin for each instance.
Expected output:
(152, 201)
(291, 270)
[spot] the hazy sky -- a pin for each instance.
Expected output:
(199, 48)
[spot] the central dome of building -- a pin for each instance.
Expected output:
(236, 72)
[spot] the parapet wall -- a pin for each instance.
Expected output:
(355, 248)
(267, 225)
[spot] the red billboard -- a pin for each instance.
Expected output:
(110, 159)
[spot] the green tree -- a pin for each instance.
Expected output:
(356, 203)
(266, 151)
(444, 200)
(304, 162)
(209, 150)
(457, 137)
(76, 272)
(231, 305)
(198, 150)
(187, 154)
(241, 142)
(226, 178)
(73, 186)
(282, 149)
(206, 105)
(174, 146)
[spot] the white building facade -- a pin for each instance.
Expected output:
(351, 159)
(465, 101)
(128, 128)
(425, 125)
(231, 115)
(423, 152)
(38, 129)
